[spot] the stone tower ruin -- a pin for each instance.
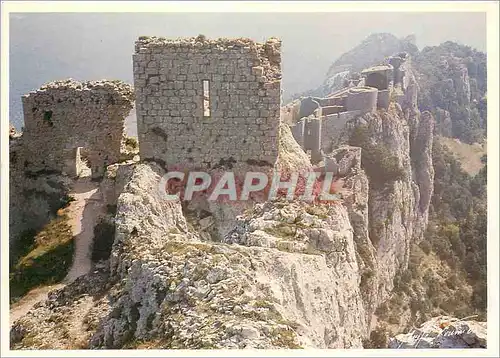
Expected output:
(204, 103)
(63, 118)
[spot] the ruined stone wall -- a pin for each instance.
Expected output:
(325, 111)
(332, 128)
(380, 77)
(327, 102)
(244, 100)
(383, 99)
(298, 132)
(62, 116)
(290, 113)
(341, 160)
(307, 107)
(312, 137)
(362, 98)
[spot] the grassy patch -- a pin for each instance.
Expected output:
(282, 230)
(131, 142)
(46, 261)
(469, 155)
(285, 338)
(317, 210)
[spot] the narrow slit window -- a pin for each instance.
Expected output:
(206, 98)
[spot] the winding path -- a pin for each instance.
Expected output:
(83, 215)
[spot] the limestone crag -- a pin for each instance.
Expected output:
(443, 332)
(258, 293)
(396, 213)
(180, 292)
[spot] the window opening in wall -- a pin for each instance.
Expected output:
(83, 167)
(206, 98)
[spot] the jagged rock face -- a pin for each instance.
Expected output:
(231, 296)
(372, 50)
(444, 125)
(396, 212)
(170, 290)
(290, 274)
(291, 157)
(443, 332)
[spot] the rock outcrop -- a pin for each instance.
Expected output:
(443, 332)
(172, 290)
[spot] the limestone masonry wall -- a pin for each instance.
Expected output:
(332, 127)
(244, 99)
(63, 116)
(320, 120)
(362, 99)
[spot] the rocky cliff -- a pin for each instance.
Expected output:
(288, 275)
(452, 81)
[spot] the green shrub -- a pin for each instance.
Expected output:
(425, 246)
(376, 159)
(131, 142)
(104, 235)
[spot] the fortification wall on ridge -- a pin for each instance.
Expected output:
(332, 128)
(362, 99)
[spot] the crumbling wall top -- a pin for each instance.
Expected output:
(70, 89)
(267, 55)
(151, 42)
(379, 68)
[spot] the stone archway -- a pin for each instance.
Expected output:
(77, 163)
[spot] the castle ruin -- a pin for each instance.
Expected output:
(203, 103)
(200, 104)
(65, 119)
(316, 122)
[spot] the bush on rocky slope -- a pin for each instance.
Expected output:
(447, 270)
(47, 261)
(376, 159)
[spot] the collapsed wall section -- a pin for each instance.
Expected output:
(204, 102)
(63, 116)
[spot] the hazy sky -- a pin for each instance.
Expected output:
(90, 46)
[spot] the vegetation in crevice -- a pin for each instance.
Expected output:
(380, 165)
(447, 269)
(46, 261)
